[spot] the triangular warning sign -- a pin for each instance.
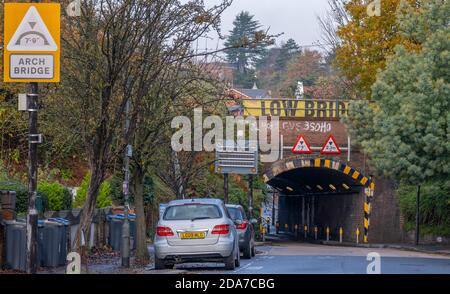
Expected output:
(302, 146)
(330, 146)
(32, 34)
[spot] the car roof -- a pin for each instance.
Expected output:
(233, 206)
(196, 200)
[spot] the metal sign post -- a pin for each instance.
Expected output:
(126, 191)
(32, 216)
(238, 158)
(31, 54)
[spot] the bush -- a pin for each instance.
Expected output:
(103, 198)
(54, 193)
(67, 199)
(22, 196)
(434, 206)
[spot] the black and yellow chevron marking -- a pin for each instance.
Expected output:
(289, 164)
(366, 216)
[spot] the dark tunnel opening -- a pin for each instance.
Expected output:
(319, 198)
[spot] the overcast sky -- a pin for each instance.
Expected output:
(297, 19)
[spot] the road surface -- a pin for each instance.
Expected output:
(301, 258)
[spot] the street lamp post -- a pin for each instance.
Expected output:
(126, 190)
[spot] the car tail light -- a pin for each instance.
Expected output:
(164, 231)
(221, 230)
(242, 226)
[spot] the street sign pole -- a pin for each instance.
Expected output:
(31, 54)
(126, 224)
(32, 215)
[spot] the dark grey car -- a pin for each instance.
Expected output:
(244, 228)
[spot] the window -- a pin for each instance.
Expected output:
(236, 213)
(192, 211)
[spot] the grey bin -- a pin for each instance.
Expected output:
(63, 238)
(115, 230)
(16, 245)
(51, 248)
(53, 242)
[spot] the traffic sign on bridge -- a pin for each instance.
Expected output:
(302, 146)
(330, 146)
(32, 45)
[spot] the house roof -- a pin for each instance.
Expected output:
(254, 93)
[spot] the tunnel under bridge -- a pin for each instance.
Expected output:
(319, 193)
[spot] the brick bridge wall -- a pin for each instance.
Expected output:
(342, 210)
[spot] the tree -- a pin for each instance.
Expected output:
(287, 51)
(406, 130)
(365, 42)
(335, 18)
(305, 67)
(114, 52)
(245, 32)
(169, 75)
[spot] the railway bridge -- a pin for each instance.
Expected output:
(317, 191)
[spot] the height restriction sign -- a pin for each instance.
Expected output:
(31, 42)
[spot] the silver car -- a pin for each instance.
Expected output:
(196, 230)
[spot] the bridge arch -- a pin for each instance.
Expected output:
(311, 177)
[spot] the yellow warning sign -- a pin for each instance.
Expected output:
(31, 42)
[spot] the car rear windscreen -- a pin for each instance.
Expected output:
(235, 213)
(192, 212)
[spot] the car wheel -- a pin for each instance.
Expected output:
(159, 264)
(169, 265)
(238, 259)
(230, 262)
(248, 251)
(253, 251)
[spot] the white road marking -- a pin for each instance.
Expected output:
(255, 268)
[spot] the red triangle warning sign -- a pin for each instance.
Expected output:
(330, 146)
(302, 146)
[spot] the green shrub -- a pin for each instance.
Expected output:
(103, 198)
(67, 199)
(54, 193)
(21, 193)
(22, 196)
(434, 206)
(80, 197)
(115, 184)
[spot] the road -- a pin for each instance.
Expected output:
(301, 258)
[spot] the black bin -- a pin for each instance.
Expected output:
(115, 230)
(53, 242)
(16, 244)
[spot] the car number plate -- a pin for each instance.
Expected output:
(193, 235)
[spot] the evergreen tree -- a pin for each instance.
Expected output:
(406, 130)
(244, 33)
(287, 51)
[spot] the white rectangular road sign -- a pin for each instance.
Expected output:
(31, 66)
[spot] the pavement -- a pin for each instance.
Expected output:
(431, 249)
(304, 258)
(278, 255)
